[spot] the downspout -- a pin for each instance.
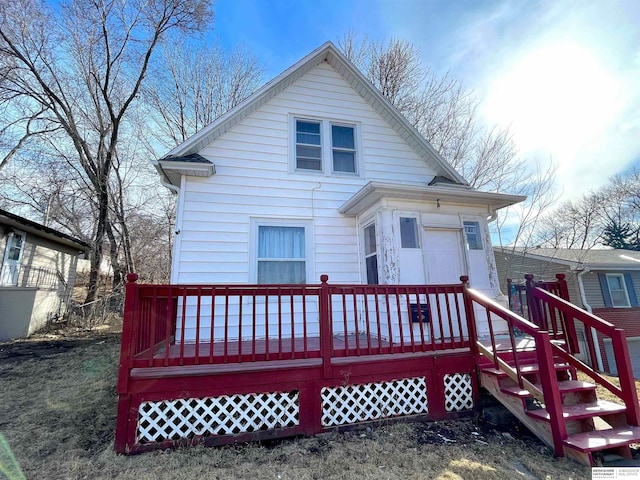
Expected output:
(594, 335)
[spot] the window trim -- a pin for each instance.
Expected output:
(624, 289)
(309, 258)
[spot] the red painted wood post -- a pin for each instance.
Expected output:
(551, 391)
(326, 329)
(535, 312)
(625, 375)
(470, 315)
(568, 322)
(129, 330)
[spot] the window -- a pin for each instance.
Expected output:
(324, 147)
(472, 235)
(344, 149)
(281, 254)
(12, 259)
(409, 233)
(308, 145)
(371, 254)
(618, 290)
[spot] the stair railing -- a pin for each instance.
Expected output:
(561, 308)
(549, 393)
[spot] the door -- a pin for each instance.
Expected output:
(443, 251)
(445, 264)
(12, 258)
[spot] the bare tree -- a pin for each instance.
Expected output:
(445, 114)
(194, 86)
(80, 68)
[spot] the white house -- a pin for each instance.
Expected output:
(317, 173)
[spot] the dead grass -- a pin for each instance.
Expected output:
(58, 409)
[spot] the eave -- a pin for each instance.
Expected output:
(19, 223)
(374, 192)
(172, 170)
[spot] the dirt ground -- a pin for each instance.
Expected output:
(58, 412)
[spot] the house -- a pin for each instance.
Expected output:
(321, 277)
(37, 275)
(603, 282)
(316, 173)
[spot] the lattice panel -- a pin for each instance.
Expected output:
(224, 415)
(458, 392)
(372, 401)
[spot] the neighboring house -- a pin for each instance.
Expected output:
(317, 173)
(37, 275)
(604, 282)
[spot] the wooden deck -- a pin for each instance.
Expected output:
(284, 348)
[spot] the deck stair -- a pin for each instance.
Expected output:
(592, 425)
(531, 367)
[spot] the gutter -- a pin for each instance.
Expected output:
(594, 335)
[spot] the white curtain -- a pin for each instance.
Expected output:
(279, 249)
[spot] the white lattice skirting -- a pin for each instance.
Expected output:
(458, 392)
(372, 401)
(224, 415)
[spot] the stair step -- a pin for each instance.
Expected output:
(602, 439)
(582, 410)
(525, 369)
(565, 386)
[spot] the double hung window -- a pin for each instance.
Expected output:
(325, 146)
(308, 145)
(344, 149)
(618, 290)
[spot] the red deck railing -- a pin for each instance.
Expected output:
(176, 325)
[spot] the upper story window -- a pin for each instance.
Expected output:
(308, 145)
(344, 148)
(324, 146)
(472, 235)
(618, 290)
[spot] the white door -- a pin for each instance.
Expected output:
(12, 258)
(445, 265)
(443, 251)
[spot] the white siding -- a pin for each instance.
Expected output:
(253, 179)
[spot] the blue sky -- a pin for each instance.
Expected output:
(564, 75)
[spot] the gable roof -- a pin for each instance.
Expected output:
(15, 221)
(593, 259)
(329, 53)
